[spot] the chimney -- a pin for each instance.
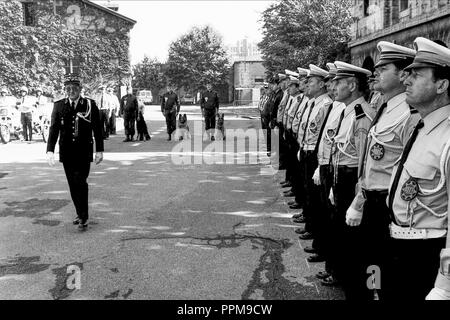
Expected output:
(111, 5)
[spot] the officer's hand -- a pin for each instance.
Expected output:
(331, 197)
(98, 157)
(438, 294)
(353, 217)
(298, 155)
(316, 177)
(51, 158)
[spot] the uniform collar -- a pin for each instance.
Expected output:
(76, 101)
(435, 118)
(395, 102)
(322, 97)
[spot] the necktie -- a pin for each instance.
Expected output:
(403, 159)
(73, 105)
(341, 117)
(374, 122)
(307, 122)
(101, 103)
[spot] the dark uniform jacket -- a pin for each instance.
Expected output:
(271, 108)
(129, 105)
(170, 101)
(209, 100)
(75, 144)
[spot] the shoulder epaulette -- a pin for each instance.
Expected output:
(359, 112)
(412, 110)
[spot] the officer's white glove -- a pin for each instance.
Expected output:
(298, 155)
(316, 177)
(438, 294)
(51, 158)
(98, 157)
(353, 217)
(331, 196)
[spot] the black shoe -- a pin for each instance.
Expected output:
(290, 203)
(295, 206)
(306, 236)
(297, 216)
(316, 258)
(301, 219)
(83, 225)
(126, 139)
(310, 250)
(76, 221)
(169, 138)
(300, 230)
(132, 138)
(286, 185)
(322, 275)
(147, 137)
(284, 182)
(289, 194)
(212, 138)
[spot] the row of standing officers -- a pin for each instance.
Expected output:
(370, 169)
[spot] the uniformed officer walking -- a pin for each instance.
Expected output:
(129, 109)
(170, 107)
(419, 188)
(75, 120)
(209, 104)
(350, 131)
(390, 130)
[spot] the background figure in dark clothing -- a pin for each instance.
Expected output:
(129, 110)
(270, 111)
(209, 104)
(170, 107)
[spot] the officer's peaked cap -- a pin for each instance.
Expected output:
(293, 80)
(315, 71)
(72, 78)
(24, 88)
(291, 73)
(391, 52)
(347, 70)
(331, 70)
(430, 54)
(302, 72)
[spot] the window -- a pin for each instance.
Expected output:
(366, 8)
(404, 4)
(72, 65)
(28, 14)
(259, 80)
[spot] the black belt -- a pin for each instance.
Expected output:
(375, 195)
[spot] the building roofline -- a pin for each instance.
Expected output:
(398, 27)
(109, 11)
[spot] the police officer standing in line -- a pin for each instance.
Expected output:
(316, 116)
(74, 121)
(170, 107)
(350, 133)
(26, 106)
(209, 104)
(279, 120)
(390, 130)
(129, 109)
(419, 189)
(323, 178)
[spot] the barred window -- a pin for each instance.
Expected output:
(28, 14)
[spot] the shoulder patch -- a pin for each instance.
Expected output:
(412, 110)
(359, 112)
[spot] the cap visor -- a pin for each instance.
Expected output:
(417, 65)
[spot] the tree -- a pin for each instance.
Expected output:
(299, 32)
(149, 74)
(197, 58)
(35, 55)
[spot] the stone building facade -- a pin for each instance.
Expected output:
(248, 78)
(398, 21)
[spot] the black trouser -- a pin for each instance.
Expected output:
(112, 122)
(346, 249)
(298, 179)
(210, 119)
(291, 157)
(265, 123)
(171, 120)
(323, 234)
(129, 124)
(104, 120)
(283, 145)
(375, 230)
(77, 173)
(311, 205)
(27, 125)
(412, 268)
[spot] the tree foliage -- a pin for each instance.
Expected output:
(149, 74)
(35, 55)
(299, 32)
(196, 58)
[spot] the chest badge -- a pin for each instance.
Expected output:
(409, 190)
(377, 152)
(206, 99)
